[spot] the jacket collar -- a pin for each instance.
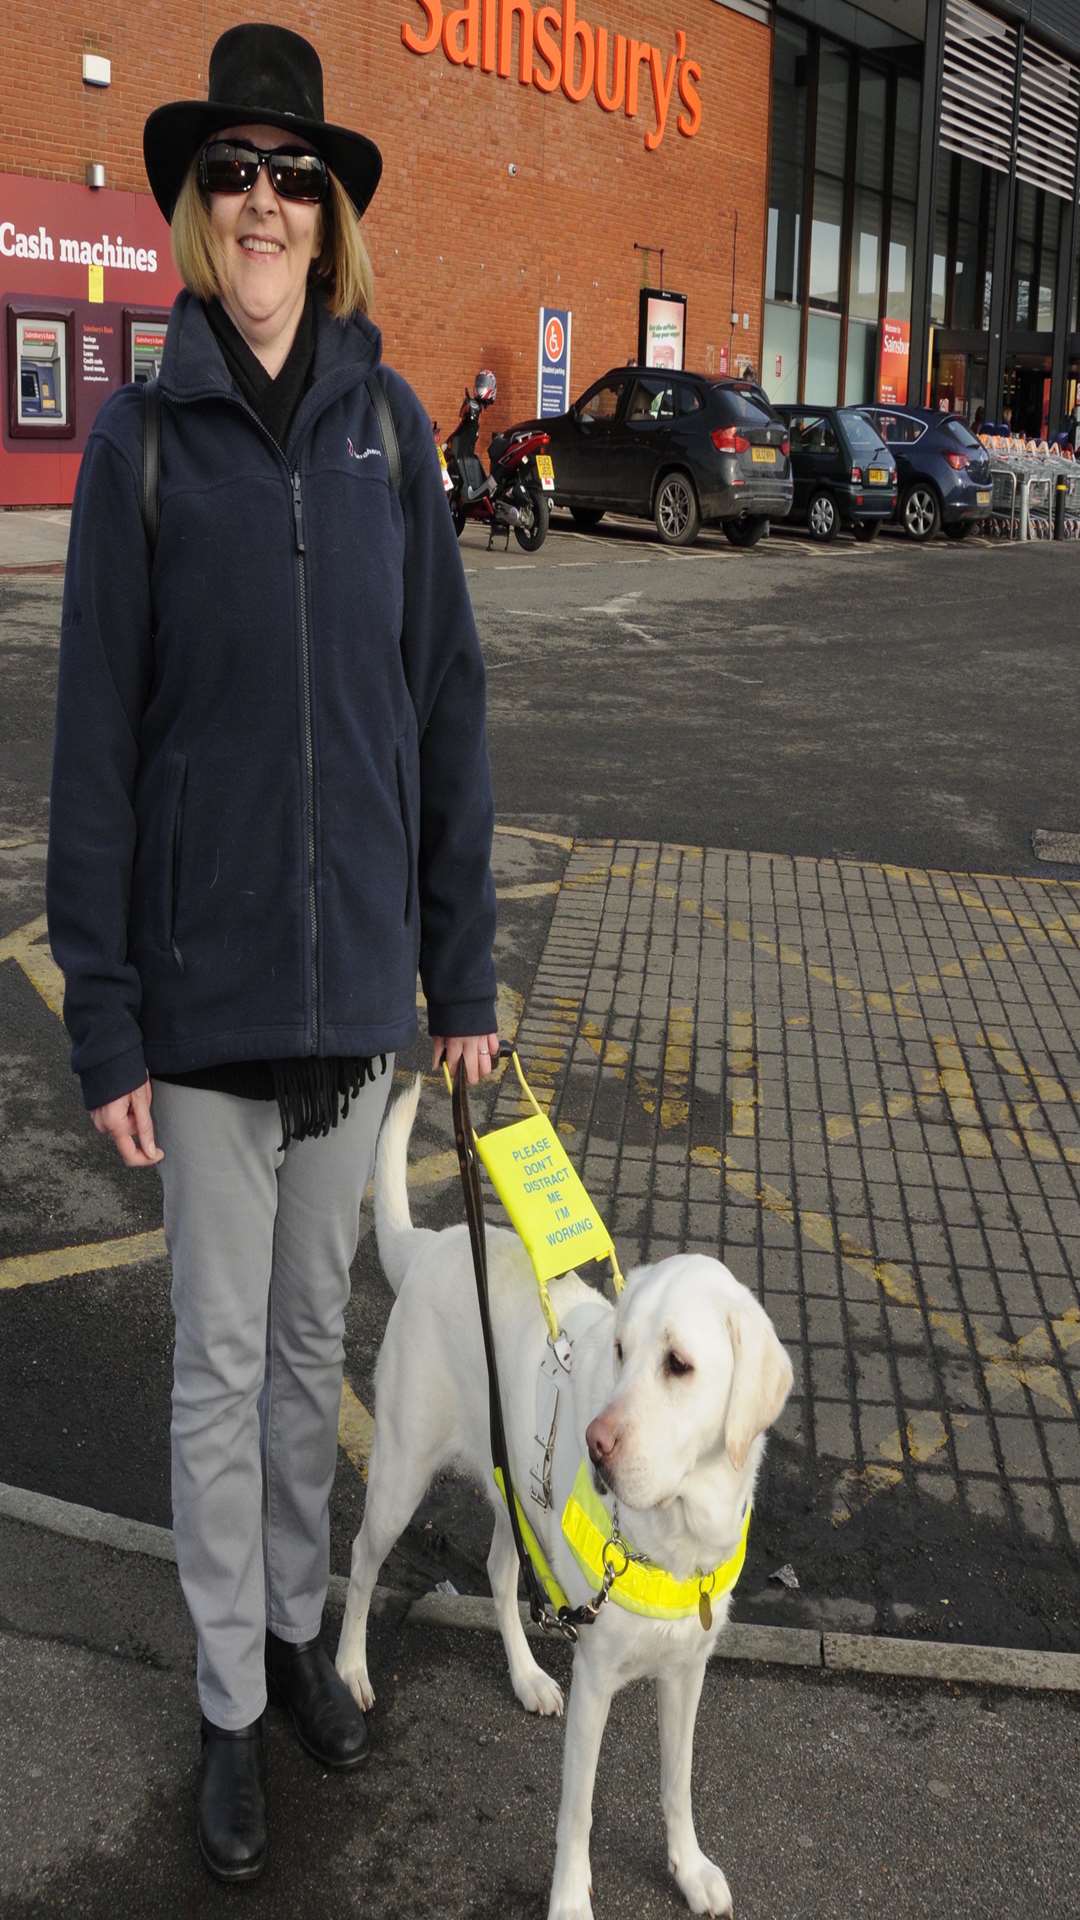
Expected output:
(193, 367)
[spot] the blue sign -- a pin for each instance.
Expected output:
(553, 361)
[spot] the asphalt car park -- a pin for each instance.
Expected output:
(804, 702)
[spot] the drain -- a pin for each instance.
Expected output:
(1062, 849)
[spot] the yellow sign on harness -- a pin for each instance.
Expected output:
(546, 1201)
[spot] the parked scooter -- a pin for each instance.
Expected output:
(511, 499)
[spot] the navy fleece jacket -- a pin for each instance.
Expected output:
(270, 799)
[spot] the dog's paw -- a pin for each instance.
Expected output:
(571, 1906)
(703, 1887)
(537, 1691)
(357, 1681)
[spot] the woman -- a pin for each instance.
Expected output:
(270, 802)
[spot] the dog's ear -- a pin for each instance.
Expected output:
(761, 1382)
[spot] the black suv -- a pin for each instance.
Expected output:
(682, 449)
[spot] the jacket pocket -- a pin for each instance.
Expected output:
(405, 782)
(175, 792)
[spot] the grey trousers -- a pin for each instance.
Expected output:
(260, 1243)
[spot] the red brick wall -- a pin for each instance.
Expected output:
(464, 253)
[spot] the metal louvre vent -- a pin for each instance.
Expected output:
(1049, 113)
(978, 85)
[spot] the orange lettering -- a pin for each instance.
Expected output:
(663, 80)
(433, 9)
(525, 38)
(548, 49)
(637, 55)
(487, 56)
(463, 49)
(689, 95)
(576, 34)
(611, 102)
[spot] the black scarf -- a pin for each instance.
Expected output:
(273, 400)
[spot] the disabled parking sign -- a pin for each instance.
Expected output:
(553, 361)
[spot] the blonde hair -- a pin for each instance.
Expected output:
(342, 267)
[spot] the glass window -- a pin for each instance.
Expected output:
(870, 129)
(861, 434)
(901, 255)
(866, 255)
(601, 403)
(737, 407)
(860, 375)
(651, 400)
(823, 358)
(825, 240)
(1046, 296)
(957, 431)
(690, 400)
(899, 429)
(906, 141)
(811, 434)
(787, 166)
(830, 151)
(780, 368)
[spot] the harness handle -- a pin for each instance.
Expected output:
(474, 1214)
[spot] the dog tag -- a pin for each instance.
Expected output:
(704, 1607)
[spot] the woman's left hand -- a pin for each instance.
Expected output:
(479, 1051)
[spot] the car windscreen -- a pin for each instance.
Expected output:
(739, 409)
(860, 433)
(957, 431)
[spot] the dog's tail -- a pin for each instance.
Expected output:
(397, 1237)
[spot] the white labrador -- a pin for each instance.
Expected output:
(670, 1392)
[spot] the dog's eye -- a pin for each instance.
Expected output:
(677, 1366)
(618, 1351)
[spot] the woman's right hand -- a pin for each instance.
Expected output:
(128, 1125)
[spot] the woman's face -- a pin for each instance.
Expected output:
(265, 245)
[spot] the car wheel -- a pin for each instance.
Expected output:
(676, 511)
(960, 529)
(822, 519)
(867, 529)
(747, 531)
(920, 514)
(586, 517)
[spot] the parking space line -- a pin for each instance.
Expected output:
(63, 1263)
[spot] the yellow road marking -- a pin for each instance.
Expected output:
(59, 1263)
(563, 840)
(356, 1430)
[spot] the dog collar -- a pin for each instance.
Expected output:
(639, 1585)
(612, 1567)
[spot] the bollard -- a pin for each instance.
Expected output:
(1061, 494)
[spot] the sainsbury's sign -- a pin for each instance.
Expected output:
(559, 52)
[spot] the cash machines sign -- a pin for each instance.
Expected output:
(86, 283)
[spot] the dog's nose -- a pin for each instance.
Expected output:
(601, 1438)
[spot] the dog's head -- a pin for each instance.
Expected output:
(699, 1373)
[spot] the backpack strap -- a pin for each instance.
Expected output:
(151, 486)
(381, 403)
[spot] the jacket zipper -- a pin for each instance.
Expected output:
(309, 748)
(305, 657)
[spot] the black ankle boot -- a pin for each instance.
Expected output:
(232, 1801)
(328, 1722)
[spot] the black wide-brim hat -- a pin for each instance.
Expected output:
(257, 74)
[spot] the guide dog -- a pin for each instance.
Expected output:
(669, 1396)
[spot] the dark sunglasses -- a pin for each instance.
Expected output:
(232, 166)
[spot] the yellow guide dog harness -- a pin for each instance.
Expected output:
(559, 1226)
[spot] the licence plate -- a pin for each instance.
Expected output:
(983, 497)
(878, 476)
(763, 456)
(545, 467)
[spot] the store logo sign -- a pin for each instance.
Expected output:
(559, 52)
